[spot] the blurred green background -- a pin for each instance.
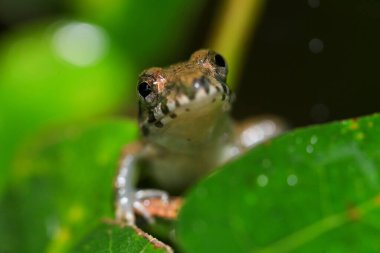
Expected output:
(68, 65)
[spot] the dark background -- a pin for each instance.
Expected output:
(284, 76)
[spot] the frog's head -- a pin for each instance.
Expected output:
(184, 96)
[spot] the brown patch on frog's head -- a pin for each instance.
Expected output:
(167, 93)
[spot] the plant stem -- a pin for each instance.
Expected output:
(232, 29)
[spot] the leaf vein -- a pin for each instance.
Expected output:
(316, 229)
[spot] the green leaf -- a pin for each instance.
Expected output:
(311, 190)
(62, 186)
(38, 87)
(111, 238)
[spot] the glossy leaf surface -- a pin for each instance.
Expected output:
(311, 190)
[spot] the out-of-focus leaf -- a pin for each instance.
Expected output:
(108, 238)
(312, 190)
(148, 31)
(38, 86)
(63, 186)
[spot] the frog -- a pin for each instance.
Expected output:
(187, 131)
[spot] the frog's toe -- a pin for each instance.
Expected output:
(135, 202)
(125, 212)
(127, 209)
(141, 209)
(152, 193)
(140, 200)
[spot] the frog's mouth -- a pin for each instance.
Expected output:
(188, 103)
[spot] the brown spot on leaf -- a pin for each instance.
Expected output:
(377, 200)
(354, 125)
(353, 213)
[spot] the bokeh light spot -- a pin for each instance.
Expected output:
(80, 44)
(316, 46)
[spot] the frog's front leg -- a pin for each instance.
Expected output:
(128, 199)
(256, 130)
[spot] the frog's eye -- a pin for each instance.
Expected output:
(220, 66)
(219, 61)
(144, 89)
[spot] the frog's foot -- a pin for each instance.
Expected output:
(164, 210)
(133, 202)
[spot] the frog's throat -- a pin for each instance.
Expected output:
(169, 110)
